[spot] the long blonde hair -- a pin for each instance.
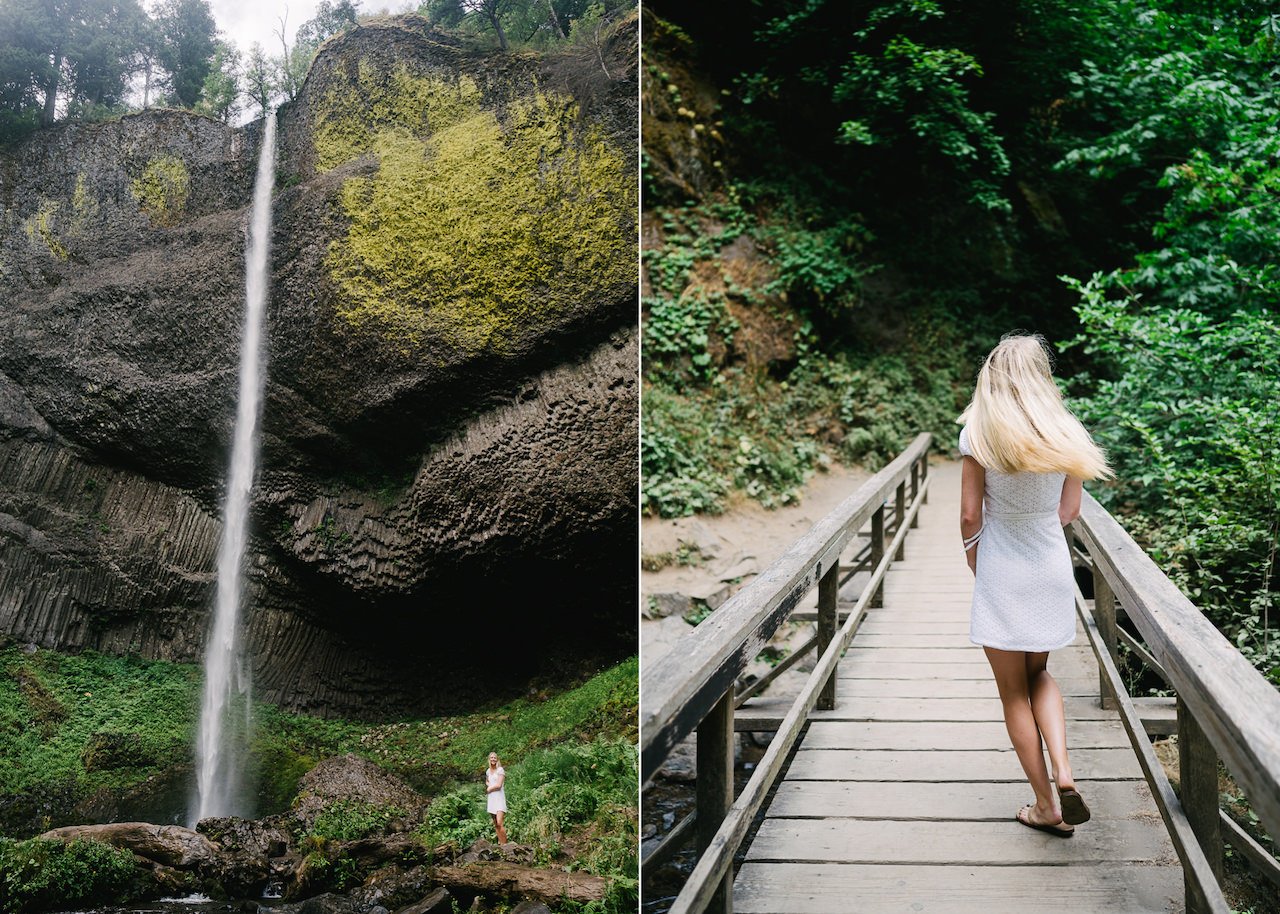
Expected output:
(1017, 421)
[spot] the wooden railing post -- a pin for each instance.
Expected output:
(1198, 792)
(915, 490)
(877, 552)
(1104, 613)
(714, 787)
(924, 474)
(828, 622)
(899, 512)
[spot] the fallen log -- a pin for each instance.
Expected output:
(169, 845)
(495, 877)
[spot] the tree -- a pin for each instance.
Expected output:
(448, 13)
(491, 12)
(259, 79)
(220, 96)
(188, 35)
(73, 54)
(329, 20)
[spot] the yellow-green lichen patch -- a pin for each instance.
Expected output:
(482, 230)
(41, 227)
(162, 189)
(350, 118)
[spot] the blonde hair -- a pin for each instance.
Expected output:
(1017, 421)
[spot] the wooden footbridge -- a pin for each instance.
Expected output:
(890, 783)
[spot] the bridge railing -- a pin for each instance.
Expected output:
(1226, 709)
(692, 687)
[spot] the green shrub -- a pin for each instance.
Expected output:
(349, 820)
(38, 875)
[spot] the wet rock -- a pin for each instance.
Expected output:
(244, 864)
(530, 907)
(395, 888)
(168, 845)
(439, 901)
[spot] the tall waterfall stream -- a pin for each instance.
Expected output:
(225, 706)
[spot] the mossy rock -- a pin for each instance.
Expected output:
(113, 751)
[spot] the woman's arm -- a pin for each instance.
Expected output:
(1069, 507)
(973, 483)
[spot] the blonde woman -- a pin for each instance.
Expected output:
(1025, 457)
(495, 779)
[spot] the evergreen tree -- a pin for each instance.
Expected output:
(188, 40)
(220, 97)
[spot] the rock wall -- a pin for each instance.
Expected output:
(450, 421)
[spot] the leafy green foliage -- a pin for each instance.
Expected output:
(1189, 409)
(349, 820)
(38, 875)
(56, 708)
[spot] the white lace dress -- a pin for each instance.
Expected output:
(1024, 593)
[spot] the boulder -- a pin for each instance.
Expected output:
(352, 779)
(168, 845)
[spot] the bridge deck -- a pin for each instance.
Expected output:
(902, 799)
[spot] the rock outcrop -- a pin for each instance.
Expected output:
(450, 421)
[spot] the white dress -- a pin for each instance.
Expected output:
(1024, 592)
(497, 799)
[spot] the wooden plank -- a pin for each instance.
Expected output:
(1234, 703)
(968, 801)
(1004, 843)
(864, 669)
(958, 765)
(959, 688)
(1078, 653)
(831, 888)
(834, 734)
(924, 709)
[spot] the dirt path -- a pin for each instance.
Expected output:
(692, 564)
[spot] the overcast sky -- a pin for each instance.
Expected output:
(245, 21)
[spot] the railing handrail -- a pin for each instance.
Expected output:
(681, 688)
(1234, 704)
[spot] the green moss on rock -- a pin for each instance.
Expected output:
(161, 190)
(482, 228)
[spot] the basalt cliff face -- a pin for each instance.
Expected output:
(449, 433)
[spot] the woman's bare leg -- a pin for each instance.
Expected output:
(1010, 669)
(1046, 704)
(497, 824)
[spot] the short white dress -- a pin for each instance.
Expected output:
(1024, 592)
(497, 799)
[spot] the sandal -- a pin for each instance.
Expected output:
(1041, 826)
(1074, 812)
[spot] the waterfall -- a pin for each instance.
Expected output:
(225, 707)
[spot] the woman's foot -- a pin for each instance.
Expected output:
(1044, 820)
(1074, 810)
